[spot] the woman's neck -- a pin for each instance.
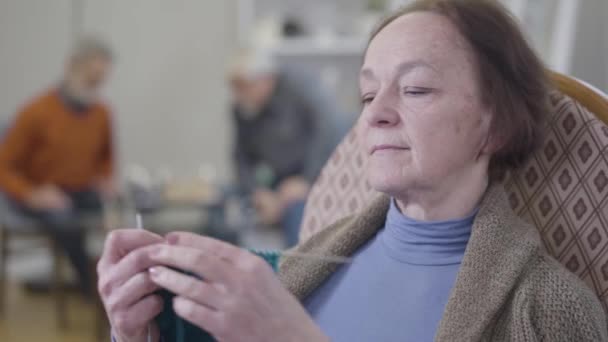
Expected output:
(450, 200)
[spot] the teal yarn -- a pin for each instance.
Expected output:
(174, 329)
(180, 331)
(272, 257)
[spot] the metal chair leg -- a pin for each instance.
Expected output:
(58, 289)
(3, 262)
(99, 313)
(102, 327)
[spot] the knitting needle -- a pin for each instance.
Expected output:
(139, 225)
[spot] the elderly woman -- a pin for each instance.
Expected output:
(452, 98)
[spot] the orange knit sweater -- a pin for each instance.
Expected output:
(50, 144)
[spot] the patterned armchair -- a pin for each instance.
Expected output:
(563, 190)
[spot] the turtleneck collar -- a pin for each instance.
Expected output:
(425, 242)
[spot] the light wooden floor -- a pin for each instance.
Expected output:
(30, 318)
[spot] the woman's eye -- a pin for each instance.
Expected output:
(365, 100)
(414, 91)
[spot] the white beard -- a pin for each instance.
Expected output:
(248, 112)
(85, 97)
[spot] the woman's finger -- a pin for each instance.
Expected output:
(211, 246)
(201, 316)
(135, 262)
(137, 317)
(132, 291)
(121, 242)
(209, 267)
(187, 286)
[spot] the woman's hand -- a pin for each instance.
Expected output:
(125, 286)
(240, 298)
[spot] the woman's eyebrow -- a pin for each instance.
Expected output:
(401, 69)
(409, 66)
(366, 74)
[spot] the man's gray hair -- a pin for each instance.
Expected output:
(90, 47)
(252, 63)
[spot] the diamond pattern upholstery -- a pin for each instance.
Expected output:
(562, 190)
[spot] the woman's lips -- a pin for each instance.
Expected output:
(388, 148)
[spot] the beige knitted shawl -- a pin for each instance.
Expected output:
(508, 288)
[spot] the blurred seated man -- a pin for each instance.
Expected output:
(56, 160)
(284, 134)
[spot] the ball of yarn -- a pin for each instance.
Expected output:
(175, 329)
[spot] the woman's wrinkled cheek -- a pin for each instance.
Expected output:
(457, 127)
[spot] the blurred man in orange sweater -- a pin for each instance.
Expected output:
(56, 161)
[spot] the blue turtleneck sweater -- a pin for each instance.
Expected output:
(398, 284)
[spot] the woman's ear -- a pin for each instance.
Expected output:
(493, 140)
(489, 146)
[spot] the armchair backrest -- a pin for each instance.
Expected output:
(563, 189)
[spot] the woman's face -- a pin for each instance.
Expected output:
(423, 125)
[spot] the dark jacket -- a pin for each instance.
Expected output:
(294, 134)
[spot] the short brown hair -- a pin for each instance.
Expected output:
(512, 79)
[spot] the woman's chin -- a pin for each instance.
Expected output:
(389, 178)
(388, 185)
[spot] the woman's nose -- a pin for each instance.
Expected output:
(382, 115)
(382, 110)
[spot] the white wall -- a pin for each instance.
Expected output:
(34, 37)
(590, 58)
(167, 88)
